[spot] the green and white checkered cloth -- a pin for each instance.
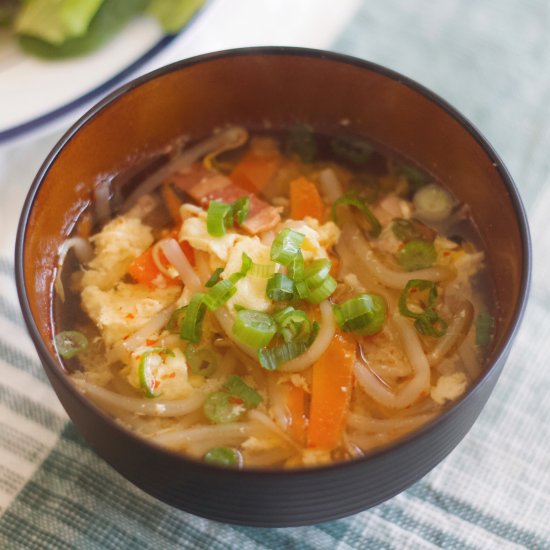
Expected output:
(491, 59)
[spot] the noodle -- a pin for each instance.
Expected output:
(321, 343)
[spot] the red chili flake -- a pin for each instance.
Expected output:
(446, 253)
(155, 384)
(150, 342)
(413, 289)
(235, 400)
(130, 316)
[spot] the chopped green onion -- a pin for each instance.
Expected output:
(203, 361)
(292, 323)
(70, 343)
(315, 328)
(246, 264)
(221, 408)
(300, 141)
(296, 268)
(317, 271)
(238, 388)
(415, 176)
(146, 379)
(352, 200)
(286, 246)
(174, 323)
(427, 320)
(262, 271)
(214, 278)
(432, 203)
(221, 216)
(271, 358)
(223, 456)
(254, 328)
(191, 327)
(240, 209)
(218, 218)
(417, 254)
(404, 230)
(302, 290)
(484, 328)
(351, 149)
(364, 314)
(221, 292)
(323, 291)
(280, 288)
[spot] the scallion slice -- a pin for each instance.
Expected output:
(323, 291)
(70, 343)
(280, 288)
(352, 200)
(271, 358)
(364, 314)
(484, 328)
(146, 379)
(221, 408)
(254, 328)
(262, 271)
(240, 209)
(214, 278)
(223, 456)
(302, 290)
(427, 320)
(202, 361)
(221, 292)
(218, 218)
(416, 254)
(317, 271)
(238, 388)
(296, 268)
(351, 149)
(292, 323)
(286, 246)
(191, 326)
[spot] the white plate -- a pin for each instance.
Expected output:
(34, 91)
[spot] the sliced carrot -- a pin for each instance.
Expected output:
(305, 200)
(330, 392)
(296, 403)
(172, 202)
(256, 168)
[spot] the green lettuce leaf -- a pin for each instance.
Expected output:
(173, 14)
(56, 21)
(110, 18)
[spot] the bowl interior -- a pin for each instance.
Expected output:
(276, 87)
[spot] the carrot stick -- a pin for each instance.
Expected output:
(305, 200)
(296, 407)
(255, 169)
(330, 392)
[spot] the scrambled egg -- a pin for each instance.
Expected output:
(250, 290)
(449, 387)
(116, 246)
(194, 231)
(319, 237)
(169, 373)
(122, 310)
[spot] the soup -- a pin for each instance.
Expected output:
(273, 300)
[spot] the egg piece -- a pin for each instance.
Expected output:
(251, 291)
(124, 309)
(318, 237)
(168, 371)
(120, 242)
(194, 231)
(449, 387)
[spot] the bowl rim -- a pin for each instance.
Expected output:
(306, 53)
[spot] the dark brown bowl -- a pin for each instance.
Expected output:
(282, 85)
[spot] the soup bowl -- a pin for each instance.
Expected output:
(256, 87)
